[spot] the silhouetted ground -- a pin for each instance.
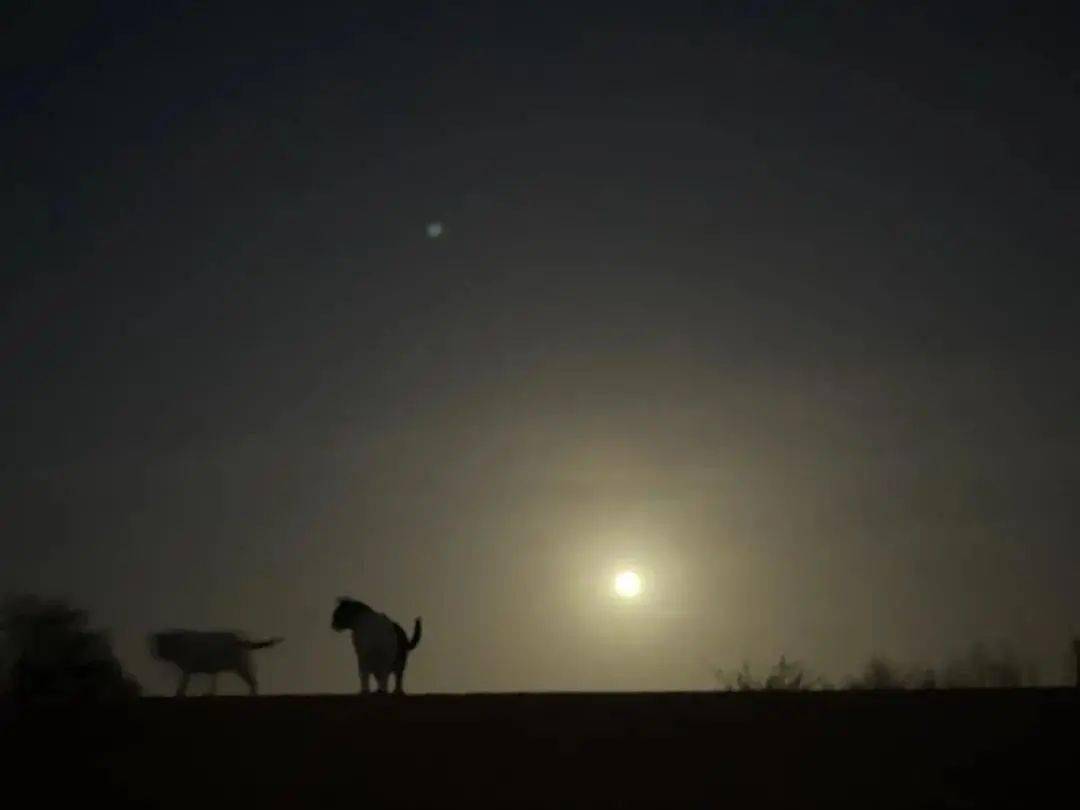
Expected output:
(976, 748)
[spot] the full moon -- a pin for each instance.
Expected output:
(628, 584)
(434, 230)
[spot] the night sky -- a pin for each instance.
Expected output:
(777, 305)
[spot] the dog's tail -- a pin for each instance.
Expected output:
(417, 629)
(259, 645)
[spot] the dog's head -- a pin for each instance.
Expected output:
(163, 646)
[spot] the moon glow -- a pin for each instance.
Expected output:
(627, 584)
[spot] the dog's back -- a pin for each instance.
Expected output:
(200, 650)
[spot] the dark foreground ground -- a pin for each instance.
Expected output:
(984, 748)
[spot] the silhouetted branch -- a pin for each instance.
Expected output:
(47, 651)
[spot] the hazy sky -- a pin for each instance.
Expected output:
(777, 305)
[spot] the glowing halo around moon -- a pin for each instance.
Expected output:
(627, 584)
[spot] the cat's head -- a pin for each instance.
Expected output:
(347, 612)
